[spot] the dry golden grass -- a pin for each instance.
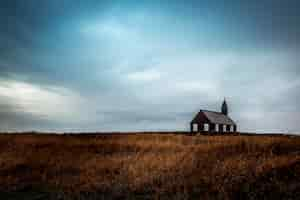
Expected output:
(153, 166)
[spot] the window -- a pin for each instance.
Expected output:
(231, 128)
(195, 127)
(217, 128)
(206, 127)
(224, 128)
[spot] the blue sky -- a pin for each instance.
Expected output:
(148, 65)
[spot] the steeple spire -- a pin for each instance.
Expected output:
(224, 108)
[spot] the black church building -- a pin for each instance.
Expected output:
(213, 122)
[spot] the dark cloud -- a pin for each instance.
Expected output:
(16, 120)
(119, 116)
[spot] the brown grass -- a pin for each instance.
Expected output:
(151, 166)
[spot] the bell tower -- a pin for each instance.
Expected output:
(224, 108)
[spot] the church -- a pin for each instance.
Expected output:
(213, 122)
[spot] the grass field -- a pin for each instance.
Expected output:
(149, 166)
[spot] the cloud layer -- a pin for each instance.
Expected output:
(103, 66)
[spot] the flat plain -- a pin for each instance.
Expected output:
(149, 166)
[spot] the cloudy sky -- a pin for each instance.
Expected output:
(90, 65)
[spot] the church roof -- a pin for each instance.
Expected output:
(214, 117)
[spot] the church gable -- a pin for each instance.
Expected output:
(200, 117)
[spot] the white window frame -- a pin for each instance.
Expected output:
(224, 128)
(206, 127)
(195, 127)
(217, 127)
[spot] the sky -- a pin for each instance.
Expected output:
(121, 65)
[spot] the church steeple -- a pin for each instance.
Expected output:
(224, 108)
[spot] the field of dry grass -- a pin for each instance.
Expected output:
(149, 166)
